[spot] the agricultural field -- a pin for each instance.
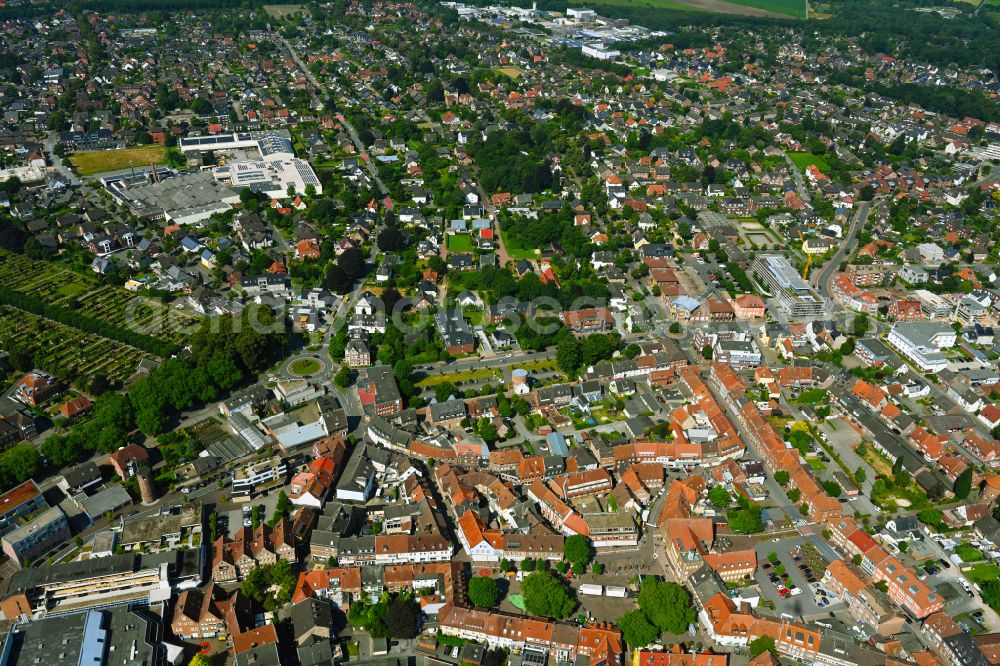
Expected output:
(58, 285)
(99, 161)
(66, 351)
(776, 8)
(803, 160)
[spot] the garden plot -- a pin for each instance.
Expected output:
(67, 351)
(61, 286)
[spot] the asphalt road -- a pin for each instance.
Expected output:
(825, 275)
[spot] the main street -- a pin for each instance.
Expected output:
(360, 147)
(824, 277)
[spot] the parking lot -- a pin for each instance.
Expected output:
(810, 564)
(234, 514)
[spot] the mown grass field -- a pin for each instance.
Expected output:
(99, 161)
(283, 11)
(460, 243)
(803, 160)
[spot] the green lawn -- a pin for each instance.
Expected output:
(460, 243)
(305, 366)
(516, 251)
(71, 289)
(803, 160)
(817, 464)
(982, 572)
(969, 553)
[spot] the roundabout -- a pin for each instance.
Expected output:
(305, 367)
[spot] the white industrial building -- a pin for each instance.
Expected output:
(263, 161)
(921, 343)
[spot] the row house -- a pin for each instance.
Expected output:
(537, 638)
(903, 584)
(233, 558)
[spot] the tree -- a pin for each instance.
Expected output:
(832, 488)
(597, 568)
(569, 355)
(343, 377)
(483, 592)
(577, 548)
(794, 494)
(675, 328)
(402, 618)
(746, 520)
(860, 475)
(782, 478)
(255, 516)
(719, 496)
(200, 660)
(772, 557)
(486, 430)
(706, 352)
(759, 646)
(637, 630)
(963, 484)
(521, 406)
(666, 605)
(391, 239)
(444, 391)
(991, 593)
(546, 596)
(932, 517)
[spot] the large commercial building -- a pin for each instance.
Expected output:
(255, 478)
(794, 295)
(18, 502)
(35, 537)
(95, 637)
(921, 343)
(263, 161)
(99, 582)
(183, 199)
